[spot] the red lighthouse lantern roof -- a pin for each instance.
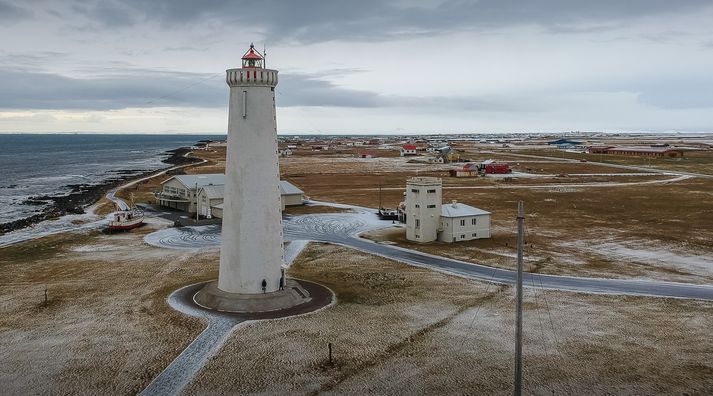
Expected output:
(252, 54)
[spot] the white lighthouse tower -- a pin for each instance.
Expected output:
(251, 279)
(251, 254)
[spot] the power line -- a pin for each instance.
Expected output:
(479, 306)
(549, 314)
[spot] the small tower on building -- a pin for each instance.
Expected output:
(423, 208)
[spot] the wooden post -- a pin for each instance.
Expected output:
(330, 353)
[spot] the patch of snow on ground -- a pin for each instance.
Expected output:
(96, 248)
(657, 255)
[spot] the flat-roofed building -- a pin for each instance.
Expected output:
(646, 151)
(423, 208)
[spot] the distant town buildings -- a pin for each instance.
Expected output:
(487, 167)
(565, 143)
(637, 151)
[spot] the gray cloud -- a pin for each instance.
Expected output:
(147, 88)
(34, 90)
(324, 20)
(10, 13)
(679, 94)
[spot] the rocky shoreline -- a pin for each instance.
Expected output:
(83, 195)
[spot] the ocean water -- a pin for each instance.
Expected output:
(32, 164)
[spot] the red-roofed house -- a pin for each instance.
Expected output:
(408, 149)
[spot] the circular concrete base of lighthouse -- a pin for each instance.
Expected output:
(298, 297)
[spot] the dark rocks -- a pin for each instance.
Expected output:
(83, 195)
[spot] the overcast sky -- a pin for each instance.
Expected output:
(367, 66)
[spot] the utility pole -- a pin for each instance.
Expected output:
(380, 195)
(517, 390)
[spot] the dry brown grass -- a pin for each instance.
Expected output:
(301, 210)
(567, 227)
(697, 161)
(571, 232)
(106, 328)
(404, 330)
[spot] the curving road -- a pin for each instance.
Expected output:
(343, 229)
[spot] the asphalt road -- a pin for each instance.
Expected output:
(343, 229)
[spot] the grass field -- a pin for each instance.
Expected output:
(107, 329)
(404, 330)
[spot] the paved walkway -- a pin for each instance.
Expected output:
(179, 373)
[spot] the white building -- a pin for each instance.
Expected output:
(408, 149)
(460, 222)
(290, 195)
(423, 208)
(427, 220)
(210, 198)
(179, 192)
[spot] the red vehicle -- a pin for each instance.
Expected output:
(497, 169)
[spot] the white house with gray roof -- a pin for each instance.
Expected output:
(427, 219)
(209, 197)
(179, 192)
(461, 222)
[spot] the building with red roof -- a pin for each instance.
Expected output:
(408, 149)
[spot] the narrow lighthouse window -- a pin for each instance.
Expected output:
(245, 104)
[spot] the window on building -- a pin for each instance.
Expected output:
(418, 236)
(431, 191)
(462, 223)
(414, 190)
(418, 223)
(462, 236)
(473, 221)
(431, 206)
(417, 205)
(474, 235)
